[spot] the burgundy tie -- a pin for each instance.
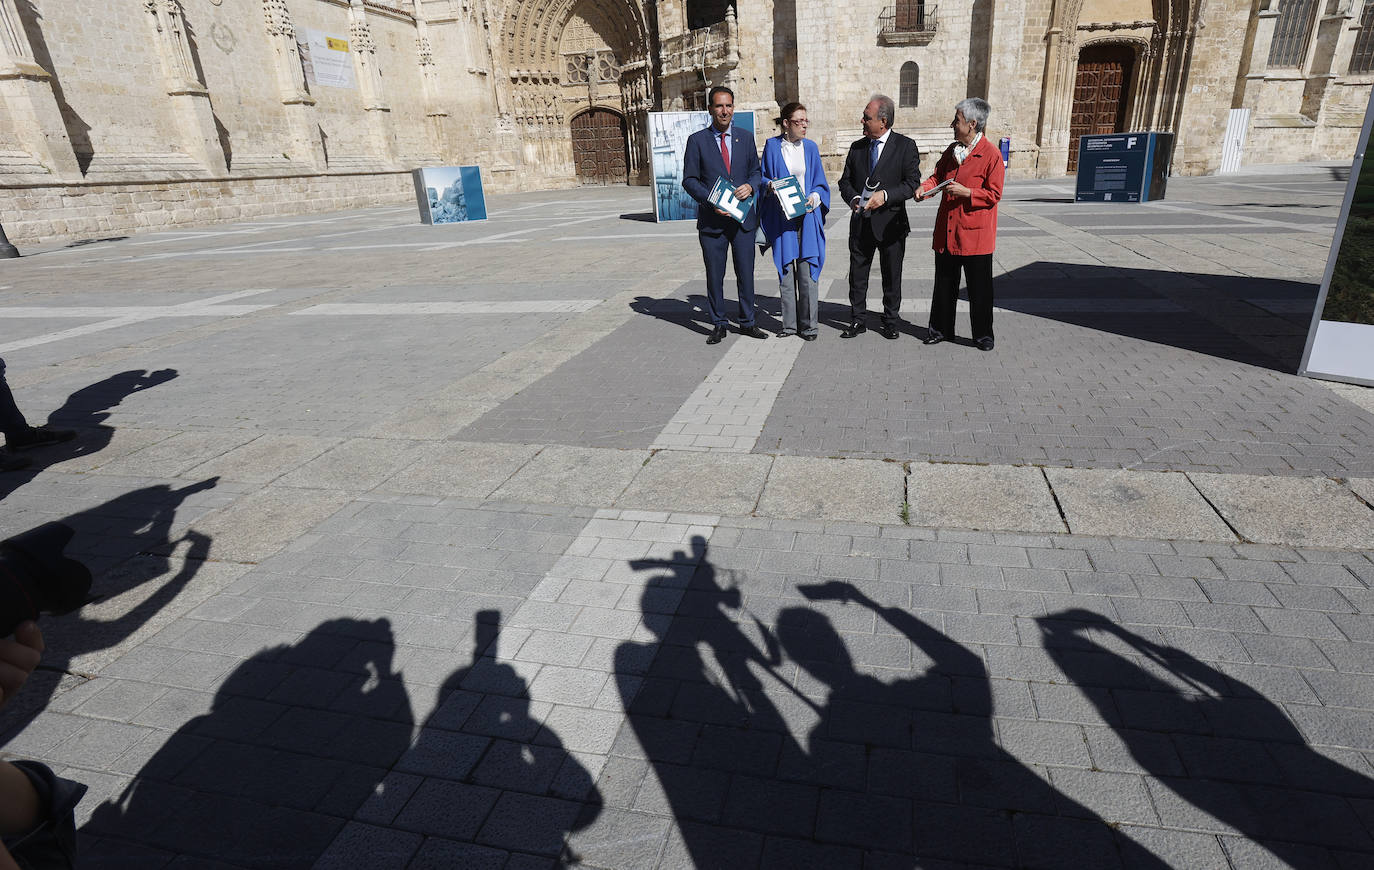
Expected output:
(724, 153)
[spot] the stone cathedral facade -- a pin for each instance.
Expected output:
(128, 114)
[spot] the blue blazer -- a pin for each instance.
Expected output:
(702, 166)
(803, 239)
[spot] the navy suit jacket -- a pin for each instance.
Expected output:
(702, 165)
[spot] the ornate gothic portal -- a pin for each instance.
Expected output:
(1112, 63)
(572, 63)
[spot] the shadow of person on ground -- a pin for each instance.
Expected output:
(923, 749)
(691, 312)
(1217, 743)
(127, 543)
(85, 410)
(485, 776)
(298, 737)
(889, 774)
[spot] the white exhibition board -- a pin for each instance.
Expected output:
(1340, 342)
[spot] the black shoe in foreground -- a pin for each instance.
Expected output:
(853, 330)
(752, 332)
(808, 336)
(984, 343)
(888, 331)
(933, 336)
(716, 335)
(39, 436)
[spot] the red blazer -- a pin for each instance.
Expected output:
(967, 227)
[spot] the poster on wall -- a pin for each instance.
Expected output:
(450, 194)
(325, 59)
(668, 132)
(1340, 342)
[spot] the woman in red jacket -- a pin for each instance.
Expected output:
(966, 225)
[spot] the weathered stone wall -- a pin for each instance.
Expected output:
(44, 214)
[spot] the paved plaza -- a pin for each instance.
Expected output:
(457, 547)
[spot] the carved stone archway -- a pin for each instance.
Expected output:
(1163, 45)
(562, 57)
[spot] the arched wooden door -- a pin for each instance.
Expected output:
(1099, 94)
(600, 147)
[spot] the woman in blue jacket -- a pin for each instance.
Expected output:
(798, 244)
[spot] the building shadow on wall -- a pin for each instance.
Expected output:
(1256, 321)
(772, 749)
(307, 759)
(128, 545)
(1216, 743)
(85, 410)
(221, 131)
(78, 131)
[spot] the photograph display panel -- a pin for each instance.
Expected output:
(1340, 343)
(450, 194)
(668, 132)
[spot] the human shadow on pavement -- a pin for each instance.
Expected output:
(486, 777)
(889, 773)
(127, 543)
(298, 737)
(1217, 743)
(692, 312)
(85, 410)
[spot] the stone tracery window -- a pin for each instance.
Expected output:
(1292, 32)
(910, 88)
(1362, 59)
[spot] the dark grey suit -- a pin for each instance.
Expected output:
(884, 229)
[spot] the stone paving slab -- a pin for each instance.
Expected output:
(1137, 504)
(720, 484)
(1364, 488)
(462, 468)
(1309, 512)
(263, 459)
(262, 522)
(860, 490)
(559, 473)
(981, 497)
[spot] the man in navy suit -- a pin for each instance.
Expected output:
(719, 151)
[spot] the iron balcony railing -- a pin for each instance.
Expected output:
(906, 20)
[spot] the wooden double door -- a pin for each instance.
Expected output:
(1099, 94)
(600, 149)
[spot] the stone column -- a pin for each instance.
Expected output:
(364, 50)
(1056, 103)
(27, 91)
(305, 146)
(190, 98)
(429, 83)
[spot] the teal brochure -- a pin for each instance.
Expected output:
(723, 197)
(789, 192)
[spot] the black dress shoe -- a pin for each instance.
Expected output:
(809, 336)
(716, 335)
(853, 330)
(888, 331)
(752, 332)
(984, 343)
(933, 336)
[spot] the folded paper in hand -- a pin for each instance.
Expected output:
(789, 192)
(723, 197)
(939, 187)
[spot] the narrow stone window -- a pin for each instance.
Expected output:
(1291, 33)
(910, 90)
(1362, 59)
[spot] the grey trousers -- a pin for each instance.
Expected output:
(798, 292)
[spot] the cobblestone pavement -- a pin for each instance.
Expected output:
(458, 547)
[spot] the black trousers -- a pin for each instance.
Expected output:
(978, 270)
(862, 244)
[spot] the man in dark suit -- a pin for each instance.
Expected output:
(880, 174)
(719, 151)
